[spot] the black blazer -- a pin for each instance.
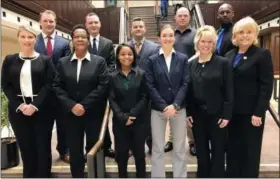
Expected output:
(42, 74)
(128, 102)
(165, 87)
(106, 50)
(92, 85)
(217, 90)
(253, 81)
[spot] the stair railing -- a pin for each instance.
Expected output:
(95, 158)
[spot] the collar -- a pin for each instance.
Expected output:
(87, 57)
(187, 29)
(161, 51)
(133, 69)
(45, 35)
(97, 38)
(142, 41)
(36, 55)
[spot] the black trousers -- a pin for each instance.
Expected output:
(76, 127)
(244, 147)
(149, 128)
(33, 135)
(206, 130)
(61, 146)
(130, 137)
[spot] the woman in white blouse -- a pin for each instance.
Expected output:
(26, 81)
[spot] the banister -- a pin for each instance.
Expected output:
(274, 115)
(92, 158)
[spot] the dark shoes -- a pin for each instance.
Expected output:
(110, 153)
(192, 149)
(65, 158)
(168, 146)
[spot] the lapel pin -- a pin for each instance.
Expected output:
(245, 57)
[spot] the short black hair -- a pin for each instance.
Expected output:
(118, 64)
(79, 26)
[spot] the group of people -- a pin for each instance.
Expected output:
(214, 85)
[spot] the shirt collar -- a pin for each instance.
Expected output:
(189, 29)
(142, 41)
(97, 38)
(87, 57)
(133, 70)
(161, 51)
(45, 35)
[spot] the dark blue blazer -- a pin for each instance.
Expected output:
(167, 88)
(61, 47)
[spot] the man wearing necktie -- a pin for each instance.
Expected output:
(225, 16)
(48, 43)
(103, 47)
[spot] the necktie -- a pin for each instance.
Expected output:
(94, 48)
(49, 46)
(219, 41)
(237, 59)
(138, 47)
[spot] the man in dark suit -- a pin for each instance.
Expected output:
(225, 16)
(48, 43)
(103, 47)
(144, 49)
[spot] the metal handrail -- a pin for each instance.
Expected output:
(274, 115)
(92, 157)
(199, 15)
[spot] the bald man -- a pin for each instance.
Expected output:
(184, 36)
(225, 16)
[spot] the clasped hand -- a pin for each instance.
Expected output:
(27, 109)
(130, 120)
(78, 110)
(170, 111)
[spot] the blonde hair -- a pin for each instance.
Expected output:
(26, 28)
(202, 31)
(242, 24)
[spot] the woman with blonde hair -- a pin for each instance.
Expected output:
(209, 103)
(27, 82)
(253, 80)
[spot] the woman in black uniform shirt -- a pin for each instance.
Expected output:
(209, 108)
(128, 100)
(26, 81)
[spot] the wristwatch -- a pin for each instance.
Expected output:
(176, 106)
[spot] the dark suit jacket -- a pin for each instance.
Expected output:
(253, 81)
(92, 85)
(217, 90)
(61, 47)
(42, 74)
(148, 48)
(167, 88)
(226, 45)
(106, 50)
(128, 102)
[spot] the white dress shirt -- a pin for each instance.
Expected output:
(26, 78)
(45, 37)
(79, 63)
(96, 41)
(167, 58)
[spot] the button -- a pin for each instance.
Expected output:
(169, 89)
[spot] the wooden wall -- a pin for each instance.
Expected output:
(69, 13)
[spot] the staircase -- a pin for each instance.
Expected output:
(148, 16)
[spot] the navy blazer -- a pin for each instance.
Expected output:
(167, 88)
(253, 81)
(61, 47)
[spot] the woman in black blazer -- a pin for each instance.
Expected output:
(26, 81)
(253, 80)
(209, 103)
(128, 100)
(81, 82)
